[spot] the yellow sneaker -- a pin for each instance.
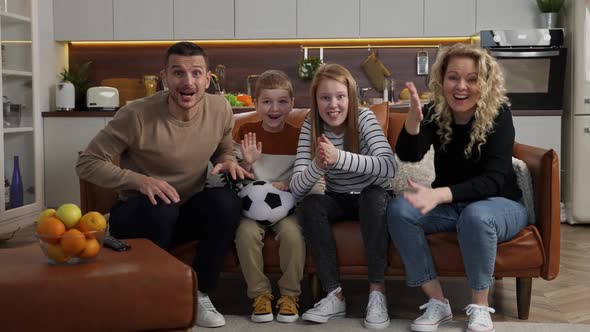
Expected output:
(262, 312)
(288, 309)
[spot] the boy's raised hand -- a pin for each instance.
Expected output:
(251, 150)
(415, 116)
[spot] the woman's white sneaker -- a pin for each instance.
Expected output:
(207, 315)
(479, 318)
(437, 312)
(328, 307)
(377, 316)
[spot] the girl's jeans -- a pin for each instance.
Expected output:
(319, 212)
(480, 226)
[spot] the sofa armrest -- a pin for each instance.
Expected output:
(544, 167)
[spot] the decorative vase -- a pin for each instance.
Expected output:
(16, 187)
(549, 20)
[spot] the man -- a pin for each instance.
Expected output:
(164, 143)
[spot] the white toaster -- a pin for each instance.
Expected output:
(102, 98)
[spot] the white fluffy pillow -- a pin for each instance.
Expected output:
(525, 183)
(421, 172)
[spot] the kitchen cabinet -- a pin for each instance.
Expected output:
(83, 19)
(391, 18)
(61, 154)
(256, 19)
(507, 14)
(449, 18)
(203, 19)
(328, 18)
(21, 131)
(143, 19)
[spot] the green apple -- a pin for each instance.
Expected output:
(69, 214)
(46, 213)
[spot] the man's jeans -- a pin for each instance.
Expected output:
(480, 226)
(319, 212)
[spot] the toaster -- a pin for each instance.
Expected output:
(102, 98)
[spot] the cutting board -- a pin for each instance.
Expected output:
(129, 88)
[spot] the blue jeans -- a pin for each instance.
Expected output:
(480, 226)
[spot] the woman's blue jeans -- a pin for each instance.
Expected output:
(480, 226)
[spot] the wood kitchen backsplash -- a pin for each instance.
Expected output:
(134, 61)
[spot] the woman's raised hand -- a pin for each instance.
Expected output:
(415, 116)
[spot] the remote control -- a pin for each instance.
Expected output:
(115, 244)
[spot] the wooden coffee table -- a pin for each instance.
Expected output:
(145, 288)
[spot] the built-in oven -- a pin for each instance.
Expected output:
(533, 62)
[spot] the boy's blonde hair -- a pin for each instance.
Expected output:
(273, 79)
(490, 81)
(338, 73)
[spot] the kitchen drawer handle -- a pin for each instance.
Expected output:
(536, 54)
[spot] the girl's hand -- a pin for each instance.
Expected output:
(320, 159)
(421, 197)
(329, 151)
(415, 115)
(280, 185)
(251, 150)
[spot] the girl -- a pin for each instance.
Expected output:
(474, 193)
(348, 148)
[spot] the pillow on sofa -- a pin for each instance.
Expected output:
(421, 172)
(525, 183)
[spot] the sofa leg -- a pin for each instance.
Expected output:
(315, 287)
(524, 288)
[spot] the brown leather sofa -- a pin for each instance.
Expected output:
(533, 253)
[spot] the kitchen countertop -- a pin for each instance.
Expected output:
(393, 108)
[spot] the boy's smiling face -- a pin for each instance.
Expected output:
(273, 105)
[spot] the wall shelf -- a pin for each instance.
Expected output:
(21, 73)
(10, 18)
(18, 130)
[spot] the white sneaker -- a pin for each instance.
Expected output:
(437, 312)
(328, 307)
(377, 316)
(479, 318)
(207, 315)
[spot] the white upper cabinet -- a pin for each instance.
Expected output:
(328, 18)
(265, 19)
(83, 19)
(204, 19)
(450, 18)
(143, 19)
(391, 18)
(507, 14)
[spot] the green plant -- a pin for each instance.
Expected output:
(306, 67)
(77, 74)
(550, 6)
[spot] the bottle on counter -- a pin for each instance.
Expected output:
(16, 187)
(6, 194)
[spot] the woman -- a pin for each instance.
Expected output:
(348, 148)
(469, 123)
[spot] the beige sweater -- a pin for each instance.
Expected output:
(148, 140)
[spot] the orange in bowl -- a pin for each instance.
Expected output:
(72, 247)
(51, 229)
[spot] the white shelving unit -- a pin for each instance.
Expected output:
(20, 136)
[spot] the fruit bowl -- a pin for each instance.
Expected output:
(68, 237)
(73, 247)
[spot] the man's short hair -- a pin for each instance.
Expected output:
(186, 49)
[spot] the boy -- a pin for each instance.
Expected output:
(267, 148)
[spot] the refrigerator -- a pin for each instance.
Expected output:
(576, 117)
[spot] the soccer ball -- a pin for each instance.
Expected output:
(266, 204)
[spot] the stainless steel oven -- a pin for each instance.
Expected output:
(533, 62)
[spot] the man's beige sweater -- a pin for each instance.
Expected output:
(148, 140)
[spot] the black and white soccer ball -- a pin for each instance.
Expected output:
(262, 202)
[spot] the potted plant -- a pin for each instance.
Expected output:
(549, 11)
(77, 74)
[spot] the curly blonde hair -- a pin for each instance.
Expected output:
(490, 81)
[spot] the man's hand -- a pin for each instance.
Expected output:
(152, 187)
(281, 185)
(234, 170)
(251, 150)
